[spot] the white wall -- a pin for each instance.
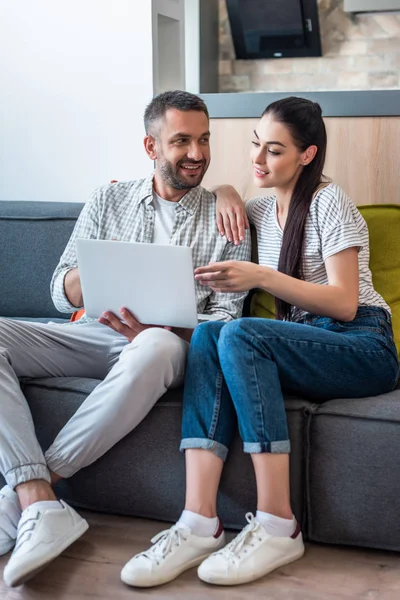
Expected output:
(192, 45)
(75, 76)
(168, 45)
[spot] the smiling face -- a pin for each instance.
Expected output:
(181, 148)
(277, 161)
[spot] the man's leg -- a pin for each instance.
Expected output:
(37, 350)
(153, 362)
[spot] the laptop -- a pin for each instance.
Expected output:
(155, 282)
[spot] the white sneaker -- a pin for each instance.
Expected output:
(43, 534)
(251, 555)
(10, 514)
(175, 550)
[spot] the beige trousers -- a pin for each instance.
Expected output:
(134, 376)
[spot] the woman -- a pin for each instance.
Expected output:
(332, 338)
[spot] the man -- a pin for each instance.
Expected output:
(137, 363)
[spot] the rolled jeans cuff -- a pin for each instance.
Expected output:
(25, 473)
(281, 447)
(215, 447)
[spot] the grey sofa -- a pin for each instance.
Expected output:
(345, 468)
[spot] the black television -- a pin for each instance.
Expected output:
(274, 28)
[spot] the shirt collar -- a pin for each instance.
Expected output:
(146, 190)
(189, 201)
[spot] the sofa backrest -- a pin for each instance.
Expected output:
(33, 236)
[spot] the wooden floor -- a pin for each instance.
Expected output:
(91, 567)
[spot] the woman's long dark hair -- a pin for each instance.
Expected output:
(304, 120)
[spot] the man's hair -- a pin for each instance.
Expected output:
(175, 99)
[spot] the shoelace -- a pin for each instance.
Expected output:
(164, 541)
(25, 534)
(245, 537)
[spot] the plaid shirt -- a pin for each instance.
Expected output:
(123, 211)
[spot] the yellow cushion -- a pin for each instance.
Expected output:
(383, 222)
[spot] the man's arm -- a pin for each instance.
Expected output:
(72, 288)
(65, 286)
(228, 306)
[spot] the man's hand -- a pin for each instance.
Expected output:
(130, 329)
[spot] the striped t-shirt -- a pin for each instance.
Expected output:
(333, 224)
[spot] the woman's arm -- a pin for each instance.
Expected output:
(338, 299)
(231, 213)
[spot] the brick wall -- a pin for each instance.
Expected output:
(360, 52)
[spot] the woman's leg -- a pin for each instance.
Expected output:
(203, 474)
(315, 362)
(272, 477)
(209, 419)
(260, 359)
(209, 422)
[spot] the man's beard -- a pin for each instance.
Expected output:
(171, 177)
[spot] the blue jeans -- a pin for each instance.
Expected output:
(237, 373)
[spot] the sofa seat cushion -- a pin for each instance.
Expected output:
(354, 471)
(144, 474)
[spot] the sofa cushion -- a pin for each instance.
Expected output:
(26, 268)
(262, 305)
(384, 233)
(353, 471)
(144, 474)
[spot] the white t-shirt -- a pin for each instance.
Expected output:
(164, 219)
(333, 224)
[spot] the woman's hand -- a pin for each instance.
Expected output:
(231, 214)
(231, 276)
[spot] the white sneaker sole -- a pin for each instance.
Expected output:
(152, 582)
(248, 577)
(28, 569)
